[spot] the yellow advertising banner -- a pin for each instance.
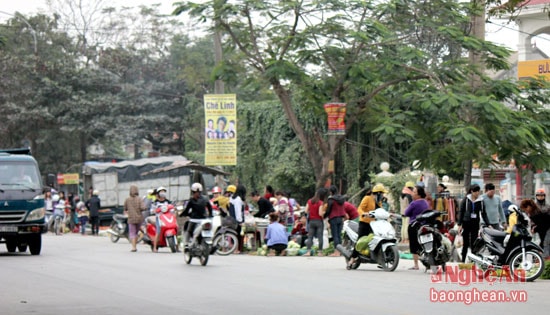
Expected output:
(220, 114)
(534, 68)
(68, 179)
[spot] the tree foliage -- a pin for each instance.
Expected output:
(400, 64)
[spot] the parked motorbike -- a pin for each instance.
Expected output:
(168, 229)
(495, 250)
(382, 249)
(200, 244)
(225, 240)
(119, 228)
(436, 247)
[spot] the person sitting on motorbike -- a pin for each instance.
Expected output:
(154, 218)
(197, 208)
(371, 201)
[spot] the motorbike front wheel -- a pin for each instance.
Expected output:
(529, 269)
(187, 254)
(391, 258)
(226, 243)
(57, 225)
(205, 251)
(171, 241)
(114, 227)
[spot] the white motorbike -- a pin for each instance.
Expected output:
(382, 248)
(200, 244)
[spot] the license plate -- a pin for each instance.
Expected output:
(425, 238)
(207, 233)
(8, 228)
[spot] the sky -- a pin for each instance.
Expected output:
(504, 36)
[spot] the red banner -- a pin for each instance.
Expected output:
(336, 113)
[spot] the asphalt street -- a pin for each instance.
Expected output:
(90, 275)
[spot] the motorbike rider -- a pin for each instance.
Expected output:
(197, 208)
(161, 200)
(371, 201)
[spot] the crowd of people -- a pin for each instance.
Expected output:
(476, 210)
(325, 212)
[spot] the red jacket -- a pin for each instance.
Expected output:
(351, 211)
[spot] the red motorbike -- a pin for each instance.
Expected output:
(168, 229)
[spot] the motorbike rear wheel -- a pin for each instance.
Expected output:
(171, 241)
(349, 246)
(534, 265)
(391, 258)
(22, 247)
(205, 251)
(226, 243)
(114, 228)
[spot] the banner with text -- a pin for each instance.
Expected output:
(220, 114)
(336, 113)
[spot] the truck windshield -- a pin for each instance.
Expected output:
(17, 175)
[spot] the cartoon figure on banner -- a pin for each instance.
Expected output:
(220, 133)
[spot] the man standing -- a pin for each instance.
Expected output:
(93, 205)
(493, 208)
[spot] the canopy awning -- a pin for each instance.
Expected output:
(187, 164)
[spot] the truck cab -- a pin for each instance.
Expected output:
(21, 202)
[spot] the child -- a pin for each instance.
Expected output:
(83, 214)
(276, 237)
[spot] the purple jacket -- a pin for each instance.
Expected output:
(415, 208)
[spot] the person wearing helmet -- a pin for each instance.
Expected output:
(197, 208)
(160, 202)
(540, 199)
(94, 204)
(372, 200)
(216, 193)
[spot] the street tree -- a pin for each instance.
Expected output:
(369, 55)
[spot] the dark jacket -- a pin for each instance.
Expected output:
(335, 207)
(264, 208)
(93, 204)
(196, 208)
(471, 210)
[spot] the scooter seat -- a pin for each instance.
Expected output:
(120, 217)
(495, 233)
(354, 226)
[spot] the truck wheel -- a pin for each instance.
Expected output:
(22, 247)
(11, 245)
(35, 244)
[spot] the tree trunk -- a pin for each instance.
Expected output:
(83, 146)
(467, 174)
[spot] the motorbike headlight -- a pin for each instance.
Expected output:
(36, 214)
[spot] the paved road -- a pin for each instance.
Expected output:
(90, 275)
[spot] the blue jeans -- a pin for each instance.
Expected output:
(336, 226)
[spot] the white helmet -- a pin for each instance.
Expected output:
(196, 187)
(55, 198)
(513, 208)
